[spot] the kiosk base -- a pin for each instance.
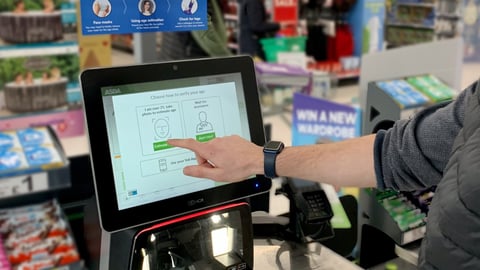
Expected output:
(214, 238)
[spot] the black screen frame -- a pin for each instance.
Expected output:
(92, 80)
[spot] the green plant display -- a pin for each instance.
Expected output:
(8, 5)
(9, 68)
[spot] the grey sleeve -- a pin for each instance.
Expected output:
(413, 153)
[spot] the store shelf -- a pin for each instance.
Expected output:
(410, 25)
(413, 22)
(416, 4)
(33, 162)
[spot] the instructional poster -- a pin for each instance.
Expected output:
(122, 16)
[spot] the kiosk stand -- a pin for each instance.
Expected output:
(147, 214)
(215, 238)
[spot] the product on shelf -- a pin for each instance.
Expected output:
(40, 63)
(403, 93)
(37, 237)
(432, 87)
(417, 21)
(26, 149)
(31, 160)
(408, 209)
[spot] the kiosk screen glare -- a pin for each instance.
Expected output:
(141, 117)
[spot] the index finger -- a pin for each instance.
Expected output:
(189, 144)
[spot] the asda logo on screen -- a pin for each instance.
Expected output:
(112, 91)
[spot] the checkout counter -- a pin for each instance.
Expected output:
(186, 223)
(271, 243)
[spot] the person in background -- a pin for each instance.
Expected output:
(198, 44)
(254, 25)
(439, 146)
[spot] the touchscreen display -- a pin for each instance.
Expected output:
(141, 117)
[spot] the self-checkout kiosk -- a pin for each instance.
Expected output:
(146, 213)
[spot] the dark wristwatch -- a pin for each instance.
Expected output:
(270, 152)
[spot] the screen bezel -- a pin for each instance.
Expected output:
(92, 80)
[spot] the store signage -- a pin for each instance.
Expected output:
(121, 17)
(24, 184)
(285, 11)
(317, 120)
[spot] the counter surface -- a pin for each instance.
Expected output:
(274, 254)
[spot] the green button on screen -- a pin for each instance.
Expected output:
(158, 146)
(205, 137)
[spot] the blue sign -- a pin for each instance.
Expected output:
(316, 120)
(130, 16)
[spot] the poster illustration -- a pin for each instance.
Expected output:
(39, 66)
(37, 21)
(120, 17)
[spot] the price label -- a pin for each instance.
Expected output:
(24, 184)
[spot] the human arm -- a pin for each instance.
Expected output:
(413, 154)
(410, 155)
(346, 163)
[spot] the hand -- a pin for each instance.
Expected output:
(225, 159)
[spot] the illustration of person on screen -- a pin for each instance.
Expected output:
(204, 125)
(147, 7)
(101, 8)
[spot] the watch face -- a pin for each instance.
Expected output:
(273, 145)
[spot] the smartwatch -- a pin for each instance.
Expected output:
(270, 152)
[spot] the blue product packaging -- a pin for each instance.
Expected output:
(6, 142)
(31, 136)
(403, 93)
(9, 160)
(38, 155)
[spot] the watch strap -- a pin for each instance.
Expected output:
(271, 150)
(269, 164)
